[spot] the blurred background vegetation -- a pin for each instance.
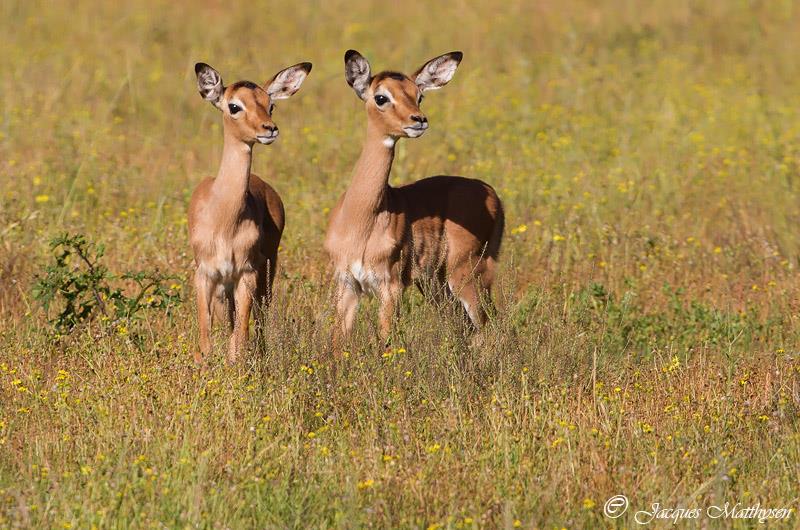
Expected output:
(648, 154)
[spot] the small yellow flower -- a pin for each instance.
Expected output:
(517, 523)
(588, 504)
(366, 484)
(558, 238)
(41, 199)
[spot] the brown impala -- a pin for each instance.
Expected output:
(445, 230)
(236, 219)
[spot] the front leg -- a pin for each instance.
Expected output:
(243, 302)
(346, 306)
(204, 292)
(390, 307)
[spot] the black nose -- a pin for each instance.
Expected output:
(419, 119)
(268, 127)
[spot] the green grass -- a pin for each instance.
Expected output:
(648, 156)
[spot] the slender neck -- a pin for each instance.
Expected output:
(232, 180)
(369, 184)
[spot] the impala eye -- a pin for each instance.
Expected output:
(271, 108)
(381, 100)
(234, 108)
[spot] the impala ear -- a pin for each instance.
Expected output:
(209, 83)
(287, 81)
(438, 71)
(357, 72)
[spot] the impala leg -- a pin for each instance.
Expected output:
(261, 303)
(346, 306)
(243, 302)
(390, 307)
(467, 288)
(204, 292)
(470, 299)
(222, 306)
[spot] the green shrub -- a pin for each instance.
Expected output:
(77, 287)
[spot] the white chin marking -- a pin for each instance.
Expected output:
(266, 140)
(389, 141)
(415, 133)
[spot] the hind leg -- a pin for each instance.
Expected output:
(471, 285)
(222, 306)
(434, 288)
(469, 297)
(262, 300)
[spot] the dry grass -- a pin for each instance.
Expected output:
(648, 155)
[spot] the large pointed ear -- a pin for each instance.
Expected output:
(209, 83)
(357, 73)
(437, 72)
(287, 81)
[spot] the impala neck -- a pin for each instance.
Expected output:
(230, 186)
(369, 184)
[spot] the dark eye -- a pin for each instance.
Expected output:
(234, 108)
(271, 108)
(380, 99)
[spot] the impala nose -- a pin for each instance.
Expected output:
(419, 119)
(270, 128)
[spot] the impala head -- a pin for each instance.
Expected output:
(393, 98)
(247, 107)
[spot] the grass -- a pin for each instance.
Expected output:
(648, 155)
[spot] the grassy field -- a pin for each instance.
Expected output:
(646, 343)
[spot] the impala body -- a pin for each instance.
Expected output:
(443, 230)
(236, 219)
